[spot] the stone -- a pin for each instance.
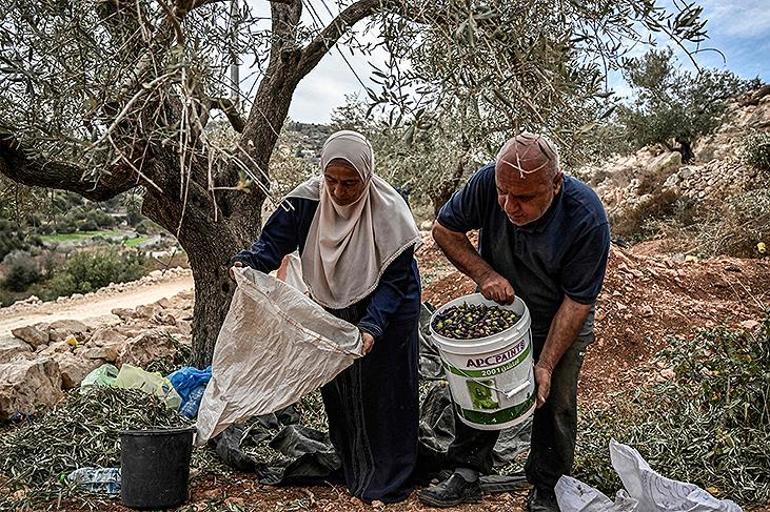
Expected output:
(666, 163)
(164, 318)
(147, 347)
(147, 311)
(109, 353)
(124, 314)
(60, 329)
(164, 303)
(74, 368)
(28, 386)
(621, 307)
(107, 336)
(35, 335)
(14, 348)
(57, 347)
(647, 311)
(749, 325)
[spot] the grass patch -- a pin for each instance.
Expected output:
(135, 242)
(79, 235)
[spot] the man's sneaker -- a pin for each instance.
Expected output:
(451, 492)
(542, 501)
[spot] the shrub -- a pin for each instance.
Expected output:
(709, 424)
(22, 272)
(85, 272)
(88, 225)
(756, 151)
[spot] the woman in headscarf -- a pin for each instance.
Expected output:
(356, 238)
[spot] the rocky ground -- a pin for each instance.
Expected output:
(648, 297)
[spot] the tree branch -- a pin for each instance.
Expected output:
(228, 107)
(323, 42)
(17, 164)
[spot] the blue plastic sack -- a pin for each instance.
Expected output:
(188, 379)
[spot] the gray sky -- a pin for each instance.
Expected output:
(739, 28)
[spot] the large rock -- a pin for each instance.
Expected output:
(27, 386)
(60, 329)
(124, 314)
(109, 353)
(57, 347)
(35, 335)
(12, 349)
(107, 336)
(74, 368)
(147, 347)
(666, 163)
(148, 311)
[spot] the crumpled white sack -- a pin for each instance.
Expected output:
(645, 490)
(657, 493)
(275, 346)
(572, 495)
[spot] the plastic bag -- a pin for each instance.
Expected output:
(97, 480)
(657, 493)
(645, 490)
(188, 379)
(575, 496)
(132, 377)
(105, 375)
(276, 345)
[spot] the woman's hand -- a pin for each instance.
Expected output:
(237, 264)
(368, 342)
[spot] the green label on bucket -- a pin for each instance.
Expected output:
(490, 372)
(498, 417)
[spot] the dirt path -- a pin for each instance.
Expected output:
(94, 308)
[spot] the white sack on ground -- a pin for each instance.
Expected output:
(276, 345)
(575, 496)
(645, 490)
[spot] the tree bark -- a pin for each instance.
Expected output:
(209, 245)
(685, 148)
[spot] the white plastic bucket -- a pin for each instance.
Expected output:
(491, 379)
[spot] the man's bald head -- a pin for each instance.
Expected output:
(527, 177)
(529, 154)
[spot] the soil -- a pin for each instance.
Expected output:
(648, 297)
(93, 308)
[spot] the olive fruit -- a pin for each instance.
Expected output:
(471, 321)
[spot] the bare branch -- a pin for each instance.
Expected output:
(314, 52)
(228, 107)
(17, 164)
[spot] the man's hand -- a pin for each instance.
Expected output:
(497, 288)
(543, 380)
(237, 264)
(368, 342)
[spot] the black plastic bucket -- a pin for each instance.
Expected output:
(155, 467)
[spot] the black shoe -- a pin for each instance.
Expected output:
(451, 492)
(542, 501)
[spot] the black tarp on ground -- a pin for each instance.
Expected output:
(289, 448)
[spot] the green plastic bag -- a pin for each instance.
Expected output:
(105, 376)
(133, 377)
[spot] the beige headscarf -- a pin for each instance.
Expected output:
(349, 247)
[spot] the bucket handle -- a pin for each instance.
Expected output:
(508, 394)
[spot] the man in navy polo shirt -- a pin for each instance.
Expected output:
(544, 237)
